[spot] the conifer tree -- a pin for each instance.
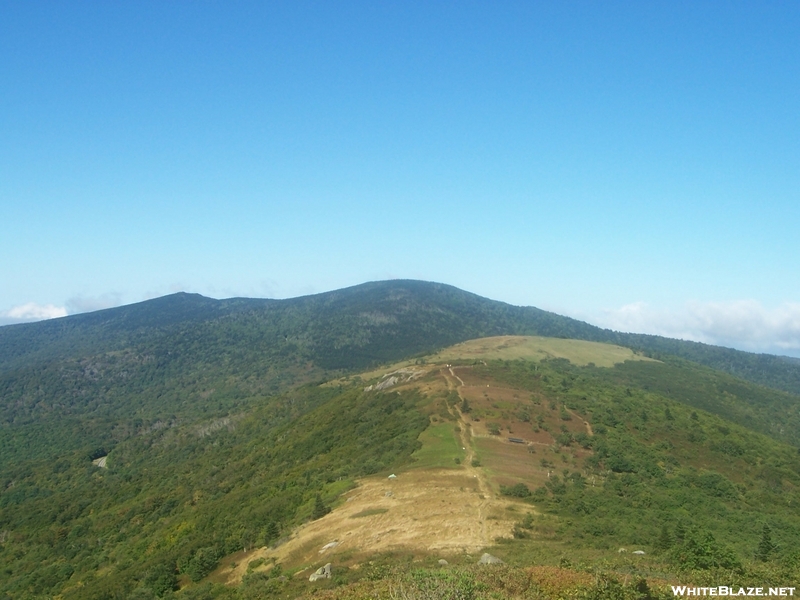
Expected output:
(271, 532)
(765, 546)
(664, 540)
(320, 509)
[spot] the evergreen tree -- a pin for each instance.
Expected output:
(271, 532)
(680, 532)
(664, 541)
(765, 546)
(320, 509)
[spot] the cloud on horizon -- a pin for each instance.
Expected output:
(742, 324)
(30, 312)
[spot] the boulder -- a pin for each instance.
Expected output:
(443, 562)
(321, 573)
(488, 559)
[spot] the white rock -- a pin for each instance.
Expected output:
(488, 559)
(328, 546)
(321, 573)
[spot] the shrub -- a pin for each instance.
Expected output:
(700, 550)
(519, 490)
(202, 563)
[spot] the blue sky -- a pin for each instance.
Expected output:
(636, 165)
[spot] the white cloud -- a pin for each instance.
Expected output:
(743, 324)
(31, 311)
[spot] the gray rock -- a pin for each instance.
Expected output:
(321, 573)
(638, 552)
(488, 559)
(387, 383)
(443, 562)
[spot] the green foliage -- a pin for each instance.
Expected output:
(182, 498)
(518, 490)
(441, 585)
(320, 509)
(271, 532)
(664, 541)
(202, 563)
(254, 564)
(160, 578)
(701, 551)
(766, 548)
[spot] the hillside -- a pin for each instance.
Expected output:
(352, 328)
(90, 381)
(610, 454)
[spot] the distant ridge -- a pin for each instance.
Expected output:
(350, 328)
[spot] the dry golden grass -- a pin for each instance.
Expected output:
(537, 348)
(432, 511)
(517, 347)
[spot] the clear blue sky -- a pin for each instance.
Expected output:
(634, 164)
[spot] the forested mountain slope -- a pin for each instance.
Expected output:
(667, 457)
(351, 328)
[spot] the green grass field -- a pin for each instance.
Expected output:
(440, 447)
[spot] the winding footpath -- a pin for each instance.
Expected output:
(466, 443)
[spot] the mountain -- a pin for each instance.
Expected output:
(89, 380)
(230, 431)
(345, 329)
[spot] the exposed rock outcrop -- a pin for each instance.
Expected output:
(321, 573)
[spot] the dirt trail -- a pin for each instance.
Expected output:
(460, 381)
(466, 443)
(586, 424)
(442, 511)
